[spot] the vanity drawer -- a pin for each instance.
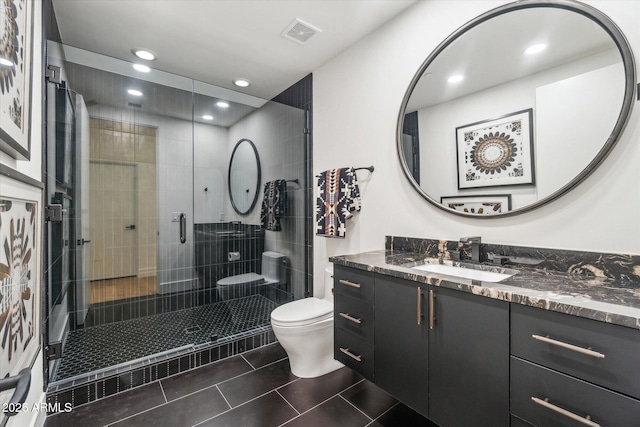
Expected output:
(354, 283)
(517, 422)
(354, 316)
(355, 353)
(598, 352)
(567, 397)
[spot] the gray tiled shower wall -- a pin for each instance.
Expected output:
(213, 246)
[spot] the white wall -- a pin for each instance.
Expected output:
(357, 98)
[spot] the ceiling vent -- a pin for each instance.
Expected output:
(299, 31)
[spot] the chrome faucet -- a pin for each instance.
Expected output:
(475, 247)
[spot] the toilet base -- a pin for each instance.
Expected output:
(310, 350)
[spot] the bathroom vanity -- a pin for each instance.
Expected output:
(547, 346)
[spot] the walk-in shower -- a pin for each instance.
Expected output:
(140, 165)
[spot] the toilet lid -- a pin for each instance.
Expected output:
(302, 312)
(241, 278)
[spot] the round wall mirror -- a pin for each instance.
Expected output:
(516, 108)
(244, 176)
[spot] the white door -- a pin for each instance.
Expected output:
(113, 220)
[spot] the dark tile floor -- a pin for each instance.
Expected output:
(257, 389)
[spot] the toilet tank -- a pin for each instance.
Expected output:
(328, 284)
(274, 266)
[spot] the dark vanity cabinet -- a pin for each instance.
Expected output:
(354, 319)
(567, 370)
(468, 359)
(451, 364)
(402, 341)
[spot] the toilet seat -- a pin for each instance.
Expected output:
(302, 312)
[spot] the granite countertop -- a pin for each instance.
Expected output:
(603, 299)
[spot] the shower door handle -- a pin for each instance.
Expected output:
(183, 228)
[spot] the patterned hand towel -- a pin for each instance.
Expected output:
(338, 197)
(273, 204)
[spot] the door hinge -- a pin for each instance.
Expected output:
(307, 131)
(53, 350)
(53, 213)
(53, 74)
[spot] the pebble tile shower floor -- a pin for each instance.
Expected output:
(107, 345)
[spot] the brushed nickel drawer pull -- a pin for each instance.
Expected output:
(582, 350)
(584, 420)
(432, 309)
(353, 319)
(351, 355)
(419, 308)
(348, 283)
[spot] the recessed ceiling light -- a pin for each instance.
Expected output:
(242, 82)
(222, 104)
(134, 92)
(141, 68)
(145, 54)
(536, 48)
(6, 62)
(455, 79)
(207, 117)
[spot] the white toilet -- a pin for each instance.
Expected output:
(247, 284)
(304, 328)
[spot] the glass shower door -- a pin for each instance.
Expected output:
(121, 166)
(149, 227)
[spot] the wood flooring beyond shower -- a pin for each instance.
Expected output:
(122, 288)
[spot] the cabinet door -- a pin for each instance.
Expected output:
(401, 342)
(468, 360)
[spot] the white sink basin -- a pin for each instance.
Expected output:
(466, 273)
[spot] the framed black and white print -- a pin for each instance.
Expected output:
(15, 77)
(496, 152)
(486, 204)
(20, 278)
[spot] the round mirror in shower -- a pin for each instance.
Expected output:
(244, 176)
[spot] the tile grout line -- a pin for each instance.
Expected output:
(243, 403)
(324, 401)
(223, 396)
(245, 359)
(352, 385)
(285, 399)
(358, 409)
(380, 416)
(255, 370)
(163, 393)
